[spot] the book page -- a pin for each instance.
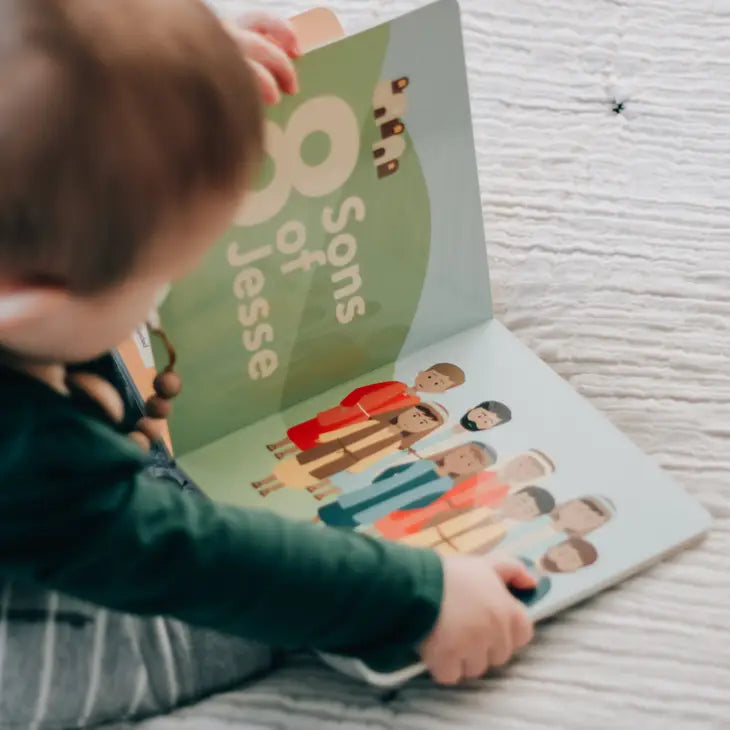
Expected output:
(316, 27)
(472, 446)
(362, 241)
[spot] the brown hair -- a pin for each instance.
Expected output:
(597, 506)
(586, 551)
(408, 439)
(544, 501)
(453, 372)
(543, 456)
(485, 453)
(114, 118)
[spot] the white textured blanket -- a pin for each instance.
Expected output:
(609, 239)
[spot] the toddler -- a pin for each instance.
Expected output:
(129, 131)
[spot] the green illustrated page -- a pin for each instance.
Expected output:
(362, 240)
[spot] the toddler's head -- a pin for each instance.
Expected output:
(128, 131)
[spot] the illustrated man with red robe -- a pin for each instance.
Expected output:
(367, 401)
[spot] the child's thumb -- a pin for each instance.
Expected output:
(515, 573)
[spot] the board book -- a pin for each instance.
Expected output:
(342, 363)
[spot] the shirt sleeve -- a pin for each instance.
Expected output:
(78, 515)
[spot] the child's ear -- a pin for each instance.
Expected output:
(20, 307)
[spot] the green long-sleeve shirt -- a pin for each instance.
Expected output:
(79, 515)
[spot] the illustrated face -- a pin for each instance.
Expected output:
(466, 459)
(431, 381)
(414, 420)
(563, 558)
(524, 468)
(483, 418)
(577, 517)
(520, 507)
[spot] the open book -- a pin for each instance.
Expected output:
(340, 358)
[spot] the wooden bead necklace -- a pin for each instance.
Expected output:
(167, 385)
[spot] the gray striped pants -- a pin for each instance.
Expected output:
(66, 664)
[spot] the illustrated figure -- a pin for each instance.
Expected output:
(482, 417)
(568, 556)
(485, 489)
(366, 402)
(387, 152)
(486, 415)
(574, 518)
(393, 128)
(390, 100)
(474, 530)
(385, 167)
(354, 448)
(390, 103)
(422, 481)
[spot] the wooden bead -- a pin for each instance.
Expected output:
(141, 440)
(158, 407)
(152, 428)
(168, 384)
(101, 392)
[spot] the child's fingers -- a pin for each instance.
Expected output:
(501, 640)
(267, 83)
(523, 629)
(501, 649)
(279, 30)
(476, 665)
(514, 573)
(447, 670)
(263, 51)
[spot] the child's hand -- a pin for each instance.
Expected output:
(481, 624)
(269, 43)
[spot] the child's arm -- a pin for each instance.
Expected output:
(78, 516)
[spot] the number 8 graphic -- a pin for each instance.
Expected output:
(328, 114)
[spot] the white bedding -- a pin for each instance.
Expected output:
(609, 240)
